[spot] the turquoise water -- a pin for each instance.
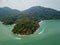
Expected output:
(47, 34)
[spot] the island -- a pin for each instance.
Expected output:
(25, 26)
(27, 21)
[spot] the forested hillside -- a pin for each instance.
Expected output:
(8, 15)
(27, 21)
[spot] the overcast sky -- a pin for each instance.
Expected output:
(25, 4)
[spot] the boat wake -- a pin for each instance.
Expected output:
(18, 38)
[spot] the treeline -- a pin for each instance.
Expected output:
(27, 23)
(25, 26)
(27, 20)
(8, 15)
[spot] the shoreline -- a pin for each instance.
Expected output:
(33, 33)
(39, 26)
(40, 22)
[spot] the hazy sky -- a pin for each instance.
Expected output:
(24, 4)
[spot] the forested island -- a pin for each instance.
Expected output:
(27, 21)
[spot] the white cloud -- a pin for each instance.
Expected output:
(24, 4)
(0, 0)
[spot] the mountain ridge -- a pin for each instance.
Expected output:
(35, 15)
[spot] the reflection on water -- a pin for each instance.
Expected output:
(47, 34)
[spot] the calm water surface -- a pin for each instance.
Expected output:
(47, 34)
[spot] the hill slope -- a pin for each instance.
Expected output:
(8, 15)
(34, 15)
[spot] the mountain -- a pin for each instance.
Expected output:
(29, 20)
(8, 15)
(42, 13)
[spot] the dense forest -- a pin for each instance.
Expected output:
(8, 15)
(25, 26)
(27, 21)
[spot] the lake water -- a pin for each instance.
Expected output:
(47, 34)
